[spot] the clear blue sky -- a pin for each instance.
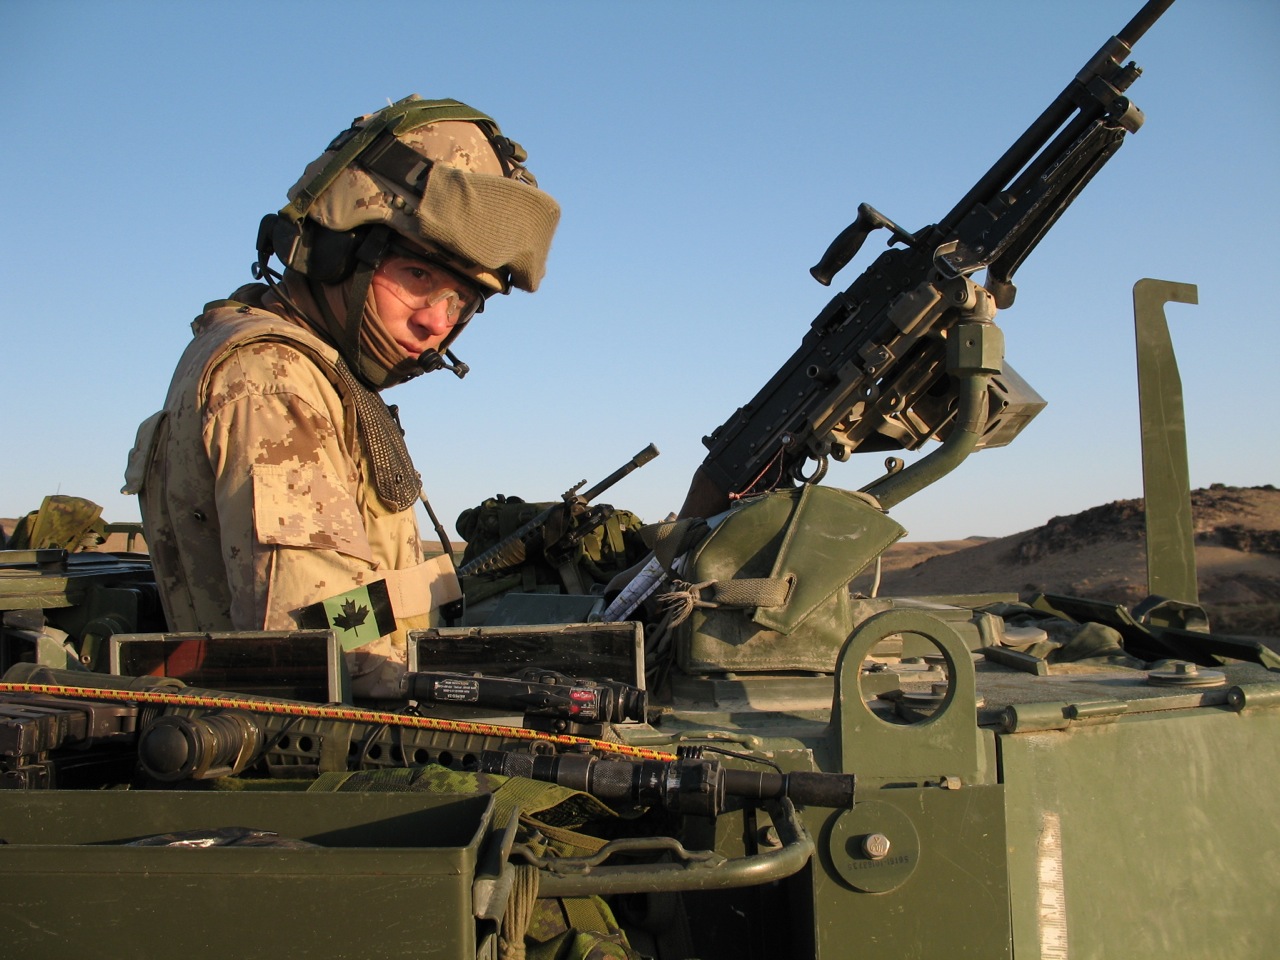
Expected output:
(704, 154)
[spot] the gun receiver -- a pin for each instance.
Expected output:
(883, 366)
(571, 521)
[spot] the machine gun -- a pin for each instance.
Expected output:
(875, 371)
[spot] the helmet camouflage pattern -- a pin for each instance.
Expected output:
(441, 175)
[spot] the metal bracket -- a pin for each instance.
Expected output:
(1166, 480)
(945, 745)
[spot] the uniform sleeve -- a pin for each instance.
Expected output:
(287, 488)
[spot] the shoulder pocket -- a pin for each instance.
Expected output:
(300, 506)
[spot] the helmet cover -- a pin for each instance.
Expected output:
(479, 210)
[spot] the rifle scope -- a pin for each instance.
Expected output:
(537, 693)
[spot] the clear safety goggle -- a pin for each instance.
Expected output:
(419, 285)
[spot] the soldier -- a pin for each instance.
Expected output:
(275, 476)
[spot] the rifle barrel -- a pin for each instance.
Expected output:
(635, 463)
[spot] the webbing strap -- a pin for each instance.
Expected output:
(749, 592)
(584, 913)
(392, 160)
(670, 539)
(746, 592)
(571, 842)
(535, 797)
(549, 809)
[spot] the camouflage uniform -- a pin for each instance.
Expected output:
(275, 477)
(255, 497)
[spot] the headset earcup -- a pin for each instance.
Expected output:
(266, 240)
(286, 239)
(331, 256)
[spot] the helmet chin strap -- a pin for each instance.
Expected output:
(431, 360)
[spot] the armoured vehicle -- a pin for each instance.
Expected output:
(730, 755)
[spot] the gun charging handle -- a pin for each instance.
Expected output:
(844, 247)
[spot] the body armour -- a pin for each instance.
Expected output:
(259, 495)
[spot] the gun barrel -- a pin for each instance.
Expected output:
(1151, 11)
(1045, 126)
(635, 463)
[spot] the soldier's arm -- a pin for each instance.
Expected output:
(287, 488)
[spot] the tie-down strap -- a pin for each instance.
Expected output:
(746, 593)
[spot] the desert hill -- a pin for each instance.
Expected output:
(1100, 553)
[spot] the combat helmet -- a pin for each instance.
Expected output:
(434, 178)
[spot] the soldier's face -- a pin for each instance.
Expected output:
(420, 302)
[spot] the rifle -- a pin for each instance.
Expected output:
(559, 528)
(908, 352)
(93, 734)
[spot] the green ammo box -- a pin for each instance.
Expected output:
(392, 875)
